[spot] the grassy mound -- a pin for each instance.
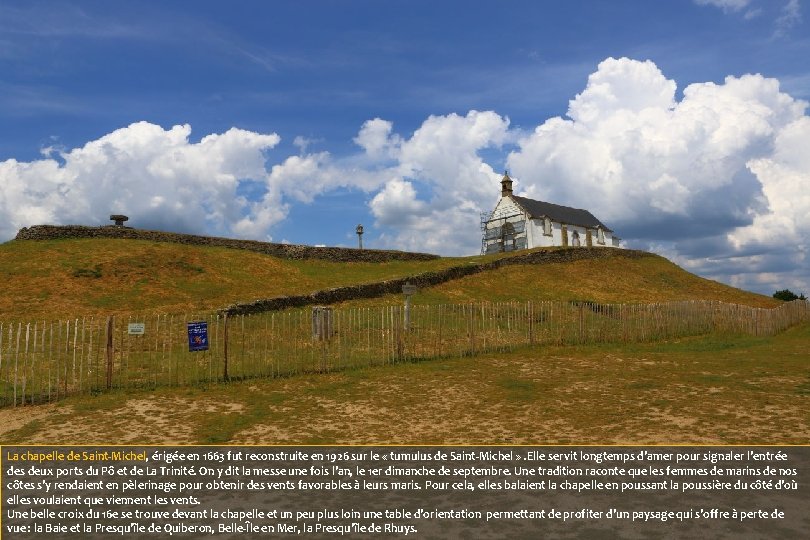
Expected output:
(617, 279)
(73, 278)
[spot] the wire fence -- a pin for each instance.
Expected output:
(45, 361)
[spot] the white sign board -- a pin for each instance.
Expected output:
(136, 328)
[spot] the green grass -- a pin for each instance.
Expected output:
(28, 430)
(519, 390)
(222, 428)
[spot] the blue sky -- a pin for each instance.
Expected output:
(679, 123)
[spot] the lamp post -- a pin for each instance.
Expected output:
(359, 232)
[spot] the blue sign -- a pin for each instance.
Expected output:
(197, 336)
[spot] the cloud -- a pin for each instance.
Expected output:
(637, 158)
(376, 139)
(428, 189)
(716, 180)
(619, 85)
(717, 175)
(790, 16)
(155, 175)
(725, 5)
(790, 13)
(397, 204)
(442, 159)
(64, 20)
(302, 178)
(752, 14)
(785, 177)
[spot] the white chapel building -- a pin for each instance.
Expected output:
(521, 223)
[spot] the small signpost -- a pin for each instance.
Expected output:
(197, 336)
(136, 329)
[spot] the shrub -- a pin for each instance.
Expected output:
(787, 295)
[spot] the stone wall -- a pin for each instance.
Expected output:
(428, 279)
(286, 251)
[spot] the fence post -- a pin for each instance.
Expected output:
(582, 322)
(225, 345)
(623, 318)
(110, 351)
(472, 331)
(16, 361)
(398, 331)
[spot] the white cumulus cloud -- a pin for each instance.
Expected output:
(397, 204)
(713, 174)
(717, 179)
(785, 179)
(376, 138)
(442, 157)
(155, 175)
(642, 158)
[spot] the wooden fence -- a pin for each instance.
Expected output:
(44, 361)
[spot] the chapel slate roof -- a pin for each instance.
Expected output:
(559, 213)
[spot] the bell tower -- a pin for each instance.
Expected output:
(506, 185)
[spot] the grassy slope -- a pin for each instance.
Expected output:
(613, 280)
(91, 276)
(68, 278)
(700, 390)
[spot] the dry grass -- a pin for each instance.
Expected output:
(706, 390)
(715, 389)
(611, 280)
(74, 278)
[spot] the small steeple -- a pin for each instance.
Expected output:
(506, 184)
